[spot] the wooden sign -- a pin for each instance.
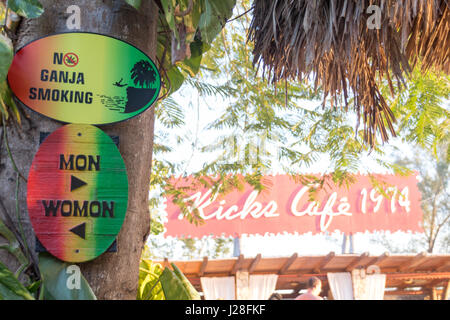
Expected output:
(285, 207)
(84, 78)
(77, 192)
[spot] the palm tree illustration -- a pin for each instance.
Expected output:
(144, 77)
(143, 74)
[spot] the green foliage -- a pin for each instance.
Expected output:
(52, 283)
(135, 3)
(434, 188)
(26, 8)
(423, 123)
(176, 286)
(170, 114)
(422, 110)
(2, 13)
(10, 287)
(149, 285)
(192, 293)
(269, 124)
(193, 24)
(216, 14)
(13, 246)
(55, 278)
(6, 56)
(7, 105)
(156, 283)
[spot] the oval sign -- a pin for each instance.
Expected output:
(77, 192)
(85, 78)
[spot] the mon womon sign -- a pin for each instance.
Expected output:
(284, 206)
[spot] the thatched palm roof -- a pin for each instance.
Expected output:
(330, 42)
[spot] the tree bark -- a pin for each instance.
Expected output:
(112, 275)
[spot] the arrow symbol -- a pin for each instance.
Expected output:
(76, 183)
(80, 230)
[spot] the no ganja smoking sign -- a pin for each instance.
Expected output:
(80, 77)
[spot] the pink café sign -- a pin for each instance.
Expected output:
(285, 207)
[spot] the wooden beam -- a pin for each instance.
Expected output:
(434, 283)
(356, 262)
(303, 277)
(203, 267)
(254, 263)
(238, 264)
(418, 275)
(288, 263)
(405, 292)
(376, 261)
(323, 263)
(444, 266)
(412, 264)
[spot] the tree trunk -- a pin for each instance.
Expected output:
(433, 234)
(112, 275)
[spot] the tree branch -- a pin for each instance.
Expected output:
(177, 12)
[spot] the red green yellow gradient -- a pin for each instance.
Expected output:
(103, 74)
(47, 181)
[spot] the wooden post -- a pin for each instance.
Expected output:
(446, 293)
(434, 293)
(203, 267)
(242, 285)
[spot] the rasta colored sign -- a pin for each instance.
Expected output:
(84, 78)
(77, 192)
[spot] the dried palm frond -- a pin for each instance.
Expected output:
(329, 41)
